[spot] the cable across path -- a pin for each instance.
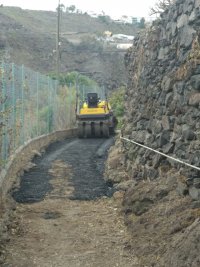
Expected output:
(160, 153)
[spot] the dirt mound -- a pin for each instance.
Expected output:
(163, 225)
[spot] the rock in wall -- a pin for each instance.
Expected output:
(163, 96)
(162, 111)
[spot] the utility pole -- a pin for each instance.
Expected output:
(58, 44)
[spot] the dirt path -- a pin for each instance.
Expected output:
(70, 219)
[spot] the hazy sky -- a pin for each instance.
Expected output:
(114, 8)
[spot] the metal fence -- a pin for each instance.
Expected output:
(31, 105)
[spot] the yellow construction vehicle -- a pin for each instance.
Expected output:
(95, 118)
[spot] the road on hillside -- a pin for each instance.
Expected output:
(66, 214)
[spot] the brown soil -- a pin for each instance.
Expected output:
(162, 220)
(163, 226)
(63, 232)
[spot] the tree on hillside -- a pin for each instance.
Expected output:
(71, 9)
(161, 6)
(62, 7)
(73, 79)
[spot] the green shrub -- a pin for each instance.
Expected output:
(73, 78)
(46, 119)
(117, 103)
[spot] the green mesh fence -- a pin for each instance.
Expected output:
(31, 105)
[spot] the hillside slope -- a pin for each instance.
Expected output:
(29, 37)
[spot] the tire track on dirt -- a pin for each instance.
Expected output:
(69, 218)
(87, 171)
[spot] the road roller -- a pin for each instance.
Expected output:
(95, 117)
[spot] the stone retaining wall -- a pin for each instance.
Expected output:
(163, 96)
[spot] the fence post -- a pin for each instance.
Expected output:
(69, 109)
(49, 105)
(4, 132)
(13, 106)
(83, 93)
(55, 105)
(22, 104)
(37, 100)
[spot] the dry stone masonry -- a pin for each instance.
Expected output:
(163, 96)
(161, 201)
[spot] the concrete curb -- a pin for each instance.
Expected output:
(22, 156)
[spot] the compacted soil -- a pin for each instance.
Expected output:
(66, 214)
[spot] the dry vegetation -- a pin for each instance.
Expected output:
(161, 6)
